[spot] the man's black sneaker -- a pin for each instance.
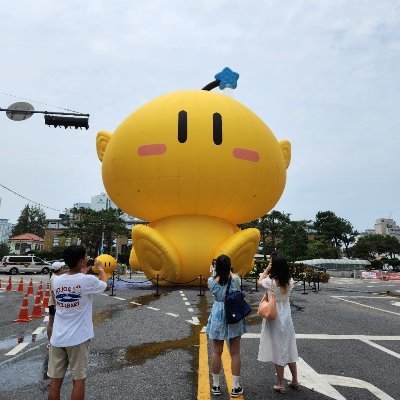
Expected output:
(236, 392)
(216, 390)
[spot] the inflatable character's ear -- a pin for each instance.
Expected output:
(102, 140)
(286, 151)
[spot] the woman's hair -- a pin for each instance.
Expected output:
(280, 272)
(223, 268)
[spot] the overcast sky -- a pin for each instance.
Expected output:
(323, 74)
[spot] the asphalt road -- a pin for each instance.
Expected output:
(348, 337)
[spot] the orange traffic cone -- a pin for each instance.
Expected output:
(40, 291)
(9, 285)
(23, 314)
(45, 303)
(21, 285)
(37, 312)
(30, 288)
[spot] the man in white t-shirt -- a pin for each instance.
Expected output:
(73, 327)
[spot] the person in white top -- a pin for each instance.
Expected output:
(73, 327)
(278, 340)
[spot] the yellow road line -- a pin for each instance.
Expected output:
(226, 363)
(203, 386)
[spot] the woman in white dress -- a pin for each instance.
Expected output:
(278, 340)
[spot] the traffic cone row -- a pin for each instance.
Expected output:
(30, 288)
(23, 314)
(21, 286)
(40, 291)
(37, 308)
(9, 285)
(41, 301)
(45, 303)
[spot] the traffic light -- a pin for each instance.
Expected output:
(56, 121)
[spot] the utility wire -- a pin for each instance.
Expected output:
(37, 101)
(34, 202)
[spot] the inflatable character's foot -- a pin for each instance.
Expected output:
(156, 255)
(133, 260)
(241, 248)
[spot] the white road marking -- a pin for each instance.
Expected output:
(379, 347)
(346, 381)
(38, 330)
(193, 321)
(172, 314)
(322, 336)
(364, 305)
(323, 383)
(396, 303)
(180, 291)
(119, 298)
(104, 294)
(190, 310)
(314, 381)
(184, 298)
(187, 303)
(153, 308)
(46, 318)
(134, 302)
(17, 349)
(368, 297)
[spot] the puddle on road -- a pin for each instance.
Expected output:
(107, 313)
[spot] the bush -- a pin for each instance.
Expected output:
(324, 277)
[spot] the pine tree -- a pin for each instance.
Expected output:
(31, 220)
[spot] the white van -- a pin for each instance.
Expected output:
(17, 264)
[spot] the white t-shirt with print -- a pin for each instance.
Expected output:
(74, 298)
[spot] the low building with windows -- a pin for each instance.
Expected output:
(25, 243)
(54, 235)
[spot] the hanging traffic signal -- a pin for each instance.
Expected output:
(66, 122)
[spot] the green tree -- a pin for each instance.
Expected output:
(294, 241)
(31, 220)
(321, 248)
(4, 250)
(270, 227)
(334, 229)
(370, 246)
(92, 226)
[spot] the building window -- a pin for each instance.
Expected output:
(17, 246)
(68, 241)
(56, 241)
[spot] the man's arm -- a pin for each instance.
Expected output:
(102, 274)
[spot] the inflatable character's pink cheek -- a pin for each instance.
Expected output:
(152, 149)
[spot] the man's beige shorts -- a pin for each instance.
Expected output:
(76, 356)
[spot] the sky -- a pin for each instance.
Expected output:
(322, 74)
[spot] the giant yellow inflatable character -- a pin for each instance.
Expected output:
(194, 164)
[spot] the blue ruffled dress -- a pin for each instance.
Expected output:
(217, 327)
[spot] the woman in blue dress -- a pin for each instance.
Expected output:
(219, 330)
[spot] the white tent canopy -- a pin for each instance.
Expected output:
(340, 264)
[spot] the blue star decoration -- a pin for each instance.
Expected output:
(227, 78)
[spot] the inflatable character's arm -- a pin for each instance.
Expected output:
(241, 248)
(156, 255)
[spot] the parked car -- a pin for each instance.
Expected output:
(15, 264)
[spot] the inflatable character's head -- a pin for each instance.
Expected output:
(194, 152)
(109, 264)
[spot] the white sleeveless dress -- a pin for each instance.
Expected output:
(278, 340)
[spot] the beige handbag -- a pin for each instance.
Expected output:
(267, 306)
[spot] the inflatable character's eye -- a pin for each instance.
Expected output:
(182, 126)
(217, 128)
